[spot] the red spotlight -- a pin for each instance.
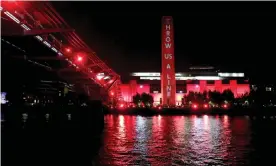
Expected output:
(68, 50)
(205, 105)
(79, 58)
(112, 93)
(194, 106)
(224, 106)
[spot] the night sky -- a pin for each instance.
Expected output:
(235, 37)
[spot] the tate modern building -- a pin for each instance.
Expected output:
(169, 87)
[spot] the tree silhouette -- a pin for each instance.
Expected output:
(196, 97)
(136, 99)
(205, 95)
(228, 95)
(147, 99)
(190, 97)
(215, 97)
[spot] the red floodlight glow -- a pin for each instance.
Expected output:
(194, 106)
(68, 50)
(112, 93)
(10, 5)
(224, 106)
(205, 105)
(79, 58)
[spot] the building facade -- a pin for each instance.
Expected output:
(194, 80)
(169, 88)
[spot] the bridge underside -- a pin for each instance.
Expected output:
(37, 34)
(26, 62)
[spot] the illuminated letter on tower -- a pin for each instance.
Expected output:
(168, 72)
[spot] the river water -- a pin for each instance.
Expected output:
(188, 140)
(157, 141)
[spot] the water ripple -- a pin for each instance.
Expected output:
(179, 140)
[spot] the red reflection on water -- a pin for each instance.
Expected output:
(142, 137)
(118, 139)
(121, 121)
(194, 118)
(225, 121)
(179, 125)
(160, 141)
(225, 138)
(201, 140)
(129, 126)
(174, 140)
(236, 134)
(156, 127)
(156, 123)
(206, 122)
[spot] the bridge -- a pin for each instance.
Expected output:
(77, 62)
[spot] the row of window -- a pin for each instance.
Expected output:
(181, 82)
(157, 88)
